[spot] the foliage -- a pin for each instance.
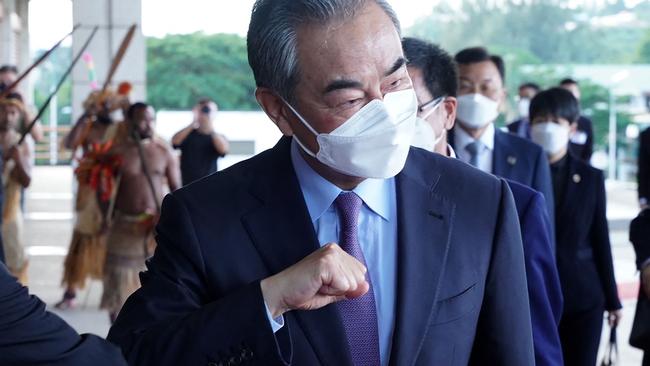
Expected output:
(534, 35)
(183, 68)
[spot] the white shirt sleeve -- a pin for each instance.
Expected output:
(276, 323)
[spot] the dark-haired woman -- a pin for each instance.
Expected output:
(583, 252)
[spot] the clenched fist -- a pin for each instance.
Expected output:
(327, 275)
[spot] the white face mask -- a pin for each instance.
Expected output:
(425, 136)
(552, 137)
(476, 110)
(522, 107)
(374, 142)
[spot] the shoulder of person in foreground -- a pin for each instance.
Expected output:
(31, 335)
(483, 203)
(544, 289)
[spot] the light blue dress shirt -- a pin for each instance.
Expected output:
(377, 236)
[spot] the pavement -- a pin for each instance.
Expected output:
(48, 224)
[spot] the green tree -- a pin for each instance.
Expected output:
(184, 68)
(644, 49)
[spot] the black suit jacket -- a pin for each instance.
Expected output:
(461, 284)
(643, 175)
(29, 335)
(584, 254)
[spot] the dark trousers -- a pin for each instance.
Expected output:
(580, 337)
(646, 358)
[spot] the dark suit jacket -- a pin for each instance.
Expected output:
(584, 151)
(522, 161)
(544, 290)
(643, 175)
(461, 279)
(520, 127)
(2, 252)
(584, 255)
(640, 237)
(29, 335)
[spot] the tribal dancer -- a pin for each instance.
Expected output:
(95, 133)
(15, 177)
(146, 162)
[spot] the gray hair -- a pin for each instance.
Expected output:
(272, 38)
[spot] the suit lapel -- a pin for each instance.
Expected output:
(424, 228)
(571, 195)
(283, 234)
(501, 156)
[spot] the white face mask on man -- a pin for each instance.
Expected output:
(425, 136)
(374, 142)
(551, 136)
(476, 110)
(522, 107)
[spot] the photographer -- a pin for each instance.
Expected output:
(200, 145)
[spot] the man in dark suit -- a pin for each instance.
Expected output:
(584, 256)
(476, 140)
(521, 126)
(246, 270)
(581, 143)
(643, 173)
(29, 335)
(433, 73)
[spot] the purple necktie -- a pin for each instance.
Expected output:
(360, 314)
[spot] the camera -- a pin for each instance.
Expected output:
(206, 109)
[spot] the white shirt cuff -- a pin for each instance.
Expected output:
(276, 323)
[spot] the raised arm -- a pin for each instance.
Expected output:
(180, 136)
(29, 335)
(71, 140)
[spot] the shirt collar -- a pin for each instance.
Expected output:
(560, 164)
(451, 152)
(462, 138)
(319, 193)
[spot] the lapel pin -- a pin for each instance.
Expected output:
(512, 160)
(577, 178)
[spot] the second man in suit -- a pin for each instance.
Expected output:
(434, 76)
(475, 138)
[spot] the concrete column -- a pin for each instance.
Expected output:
(23, 58)
(8, 35)
(114, 17)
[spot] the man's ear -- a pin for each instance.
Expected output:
(449, 106)
(275, 108)
(573, 127)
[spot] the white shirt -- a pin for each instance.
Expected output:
(485, 156)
